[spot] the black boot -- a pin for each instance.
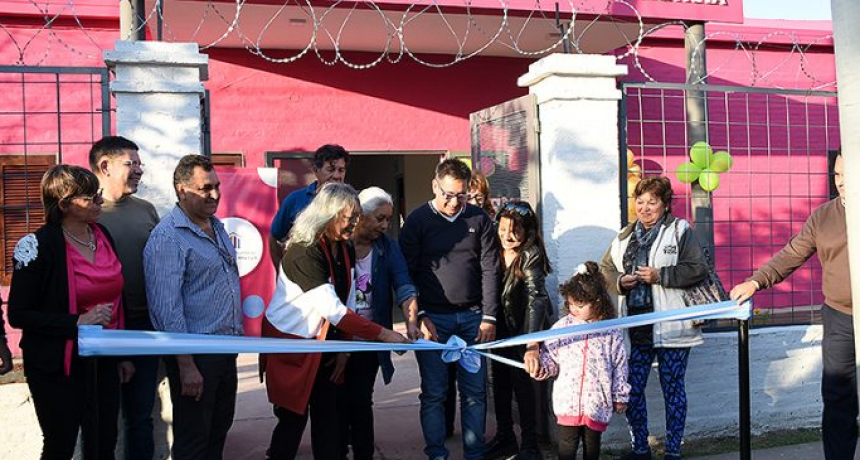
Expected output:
(501, 446)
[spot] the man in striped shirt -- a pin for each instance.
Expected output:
(192, 284)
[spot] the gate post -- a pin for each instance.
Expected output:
(577, 99)
(158, 90)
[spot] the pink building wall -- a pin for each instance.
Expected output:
(258, 106)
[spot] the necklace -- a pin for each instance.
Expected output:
(91, 244)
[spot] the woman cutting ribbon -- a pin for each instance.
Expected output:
(315, 290)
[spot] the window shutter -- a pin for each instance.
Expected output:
(20, 194)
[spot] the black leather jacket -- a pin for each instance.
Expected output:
(525, 303)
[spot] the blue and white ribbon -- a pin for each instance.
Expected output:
(96, 341)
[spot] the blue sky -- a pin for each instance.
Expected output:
(787, 9)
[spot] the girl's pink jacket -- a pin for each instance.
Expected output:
(591, 375)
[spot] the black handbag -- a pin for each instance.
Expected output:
(709, 290)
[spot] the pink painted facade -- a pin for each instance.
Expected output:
(258, 106)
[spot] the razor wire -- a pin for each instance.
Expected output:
(459, 25)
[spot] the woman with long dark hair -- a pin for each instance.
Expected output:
(525, 308)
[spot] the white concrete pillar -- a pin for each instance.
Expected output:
(846, 44)
(158, 89)
(577, 101)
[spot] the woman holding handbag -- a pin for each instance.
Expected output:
(650, 265)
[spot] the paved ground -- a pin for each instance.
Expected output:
(812, 451)
(398, 430)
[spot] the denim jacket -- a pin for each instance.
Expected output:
(390, 274)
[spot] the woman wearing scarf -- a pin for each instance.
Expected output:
(66, 275)
(315, 298)
(648, 265)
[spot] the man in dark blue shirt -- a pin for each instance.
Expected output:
(452, 252)
(330, 163)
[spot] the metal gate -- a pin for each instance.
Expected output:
(782, 143)
(505, 149)
(48, 115)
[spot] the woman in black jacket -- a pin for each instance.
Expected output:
(65, 275)
(525, 309)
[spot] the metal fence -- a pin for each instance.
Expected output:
(48, 115)
(782, 142)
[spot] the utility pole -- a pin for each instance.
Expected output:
(697, 129)
(132, 14)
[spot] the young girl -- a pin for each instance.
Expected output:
(590, 370)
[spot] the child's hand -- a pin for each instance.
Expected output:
(532, 359)
(540, 374)
(620, 407)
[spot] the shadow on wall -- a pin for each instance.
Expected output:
(588, 240)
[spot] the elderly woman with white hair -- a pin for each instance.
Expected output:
(316, 289)
(380, 271)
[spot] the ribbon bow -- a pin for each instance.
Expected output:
(459, 351)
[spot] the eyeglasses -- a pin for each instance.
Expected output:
(133, 164)
(520, 207)
(452, 196)
(93, 197)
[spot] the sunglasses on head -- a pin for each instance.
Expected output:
(520, 207)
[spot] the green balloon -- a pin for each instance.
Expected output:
(701, 154)
(709, 180)
(721, 162)
(688, 172)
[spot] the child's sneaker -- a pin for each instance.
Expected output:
(636, 456)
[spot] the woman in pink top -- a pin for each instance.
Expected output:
(65, 275)
(590, 370)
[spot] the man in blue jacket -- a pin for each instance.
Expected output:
(330, 163)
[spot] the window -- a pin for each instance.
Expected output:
(20, 202)
(231, 160)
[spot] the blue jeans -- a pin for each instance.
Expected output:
(434, 389)
(138, 400)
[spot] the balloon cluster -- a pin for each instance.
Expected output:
(705, 167)
(634, 175)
